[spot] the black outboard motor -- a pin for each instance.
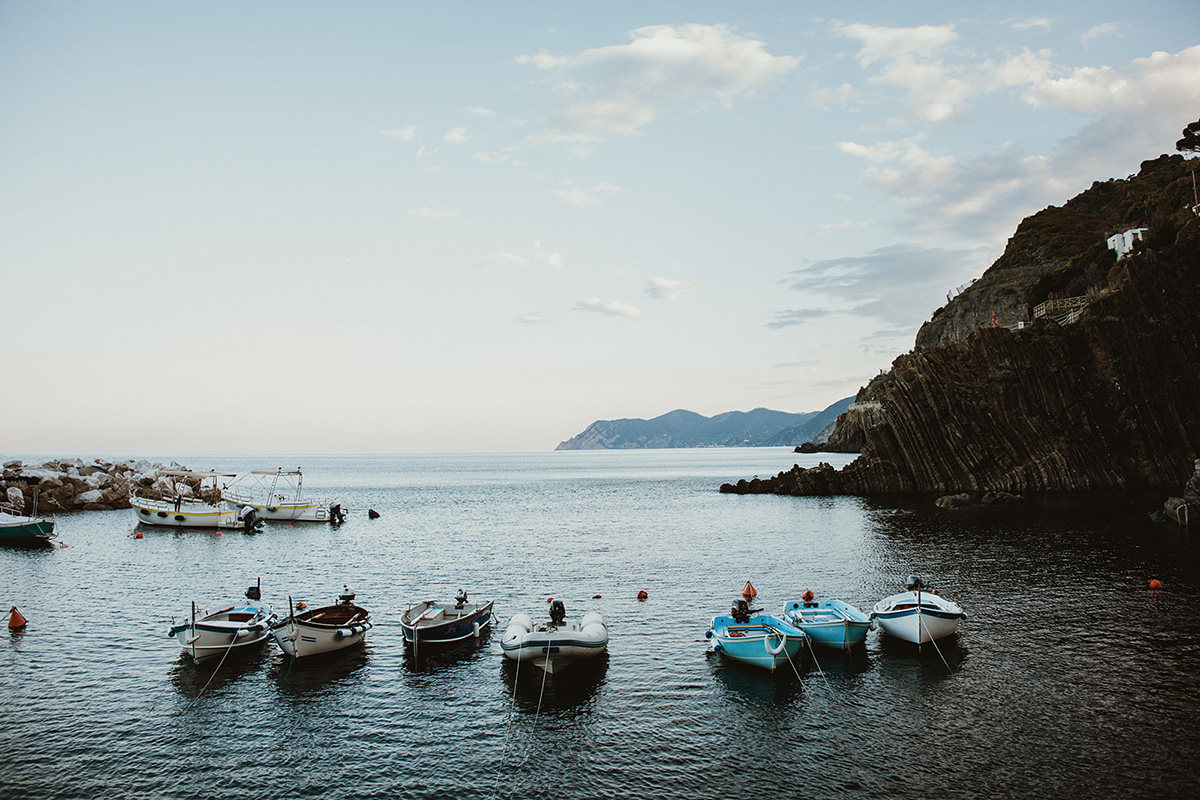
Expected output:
(249, 517)
(913, 584)
(558, 612)
(346, 597)
(740, 611)
(335, 514)
(460, 599)
(255, 591)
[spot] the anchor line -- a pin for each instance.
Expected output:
(933, 642)
(849, 754)
(216, 669)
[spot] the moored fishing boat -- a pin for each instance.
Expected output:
(312, 631)
(277, 494)
(436, 622)
(556, 644)
(19, 529)
(918, 615)
(183, 499)
(831, 623)
(240, 627)
(761, 640)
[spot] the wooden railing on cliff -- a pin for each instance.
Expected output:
(1062, 310)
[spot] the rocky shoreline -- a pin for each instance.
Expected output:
(72, 484)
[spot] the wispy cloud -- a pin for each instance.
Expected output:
(455, 136)
(1097, 31)
(786, 319)
(621, 88)
(579, 197)
(480, 112)
(532, 317)
(609, 307)
(403, 134)
(506, 259)
(432, 213)
(667, 289)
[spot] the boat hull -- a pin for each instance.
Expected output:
(322, 630)
(188, 514)
(764, 641)
(433, 622)
(901, 617)
(554, 647)
(829, 623)
(302, 511)
(25, 530)
(234, 629)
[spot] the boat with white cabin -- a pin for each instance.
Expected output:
(557, 643)
(183, 499)
(240, 627)
(313, 631)
(918, 615)
(277, 494)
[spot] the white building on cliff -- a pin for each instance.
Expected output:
(1123, 242)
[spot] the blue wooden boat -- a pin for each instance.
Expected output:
(762, 640)
(436, 622)
(831, 623)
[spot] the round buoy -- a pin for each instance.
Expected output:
(749, 591)
(301, 606)
(16, 620)
(218, 531)
(642, 594)
(138, 535)
(1155, 583)
(808, 595)
(549, 599)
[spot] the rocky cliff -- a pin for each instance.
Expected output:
(1109, 400)
(73, 484)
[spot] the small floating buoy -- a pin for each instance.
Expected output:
(16, 620)
(549, 599)
(372, 513)
(301, 606)
(1155, 583)
(808, 595)
(749, 591)
(595, 597)
(64, 544)
(218, 531)
(138, 535)
(642, 594)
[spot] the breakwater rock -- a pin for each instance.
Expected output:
(76, 485)
(1108, 401)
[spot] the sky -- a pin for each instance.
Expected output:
(300, 227)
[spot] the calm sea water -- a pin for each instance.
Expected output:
(1070, 677)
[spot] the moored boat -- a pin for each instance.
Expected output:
(762, 640)
(20, 529)
(436, 622)
(277, 494)
(183, 499)
(312, 631)
(555, 644)
(917, 615)
(831, 623)
(240, 627)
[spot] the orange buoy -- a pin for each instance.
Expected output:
(16, 620)
(138, 535)
(749, 591)
(549, 599)
(1155, 583)
(301, 606)
(218, 531)
(808, 595)
(642, 595)
(595, 597)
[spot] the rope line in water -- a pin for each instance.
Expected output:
(933, 642)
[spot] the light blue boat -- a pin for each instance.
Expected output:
(831, 623)
(758, 639)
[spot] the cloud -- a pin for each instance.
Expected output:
(1096, 31)
(610, 307)
(579, 197)
(550, 258)
(1162, 81)
(480, 112)
(455, 136)
(432, 213)
(619, 89)
(785, 319)
(667, 289)
(504, 259)
(1033, 22)
(890, 44)
(403, 134)
(532, 317)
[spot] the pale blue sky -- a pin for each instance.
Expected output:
(321, 227)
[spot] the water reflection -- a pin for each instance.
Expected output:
(432, 657)
(572, 690)
(211, 675)
(748, 685)
(318, 674)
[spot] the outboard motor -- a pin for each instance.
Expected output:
(335, 514)
(346, 597)
(460, 599)
(740, 611)
(558, 612)
(255, 591)
(249, 518)
(913, 584)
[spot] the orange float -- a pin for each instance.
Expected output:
(16, 620)
(749, 591)
(642, 594)
(1155, 583)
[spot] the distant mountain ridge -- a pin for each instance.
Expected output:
(761, 427)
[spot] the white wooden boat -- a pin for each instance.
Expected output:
(185, 499)
(555, 643)
(312, 631)
(437, 622)
(277, 494)
(240, 627)
(917, 615)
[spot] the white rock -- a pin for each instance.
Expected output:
(85, 498)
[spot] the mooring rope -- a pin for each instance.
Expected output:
(932, 641)
(224, 655)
